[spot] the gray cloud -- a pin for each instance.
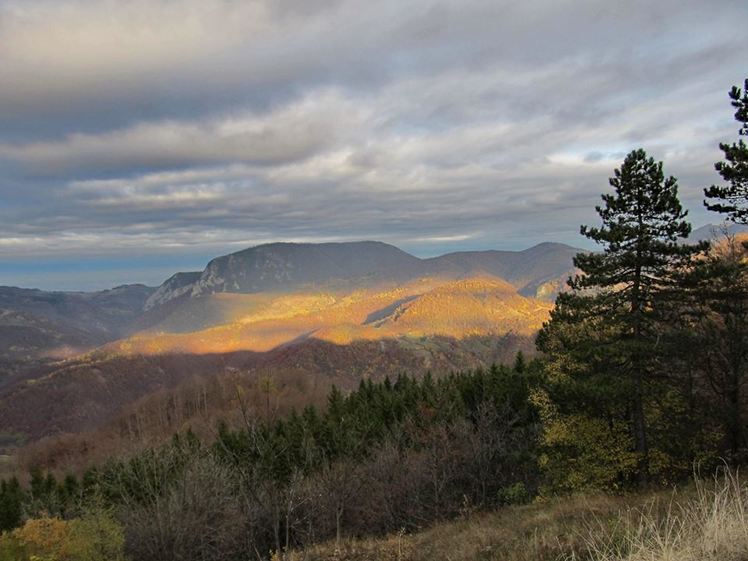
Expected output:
(290, 133)
(195, 128)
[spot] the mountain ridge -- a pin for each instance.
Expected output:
(37, 325)
(38, 320)
(284, 265)
(327, 311)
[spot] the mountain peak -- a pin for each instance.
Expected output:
(551, 246)
(283, 266)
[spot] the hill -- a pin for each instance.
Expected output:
(87, 393)
(289, 266)
(226, 322)
(528, 270)
(710, 232)
(323, 338)
(705, 521)
(37, 327)
(325, 312)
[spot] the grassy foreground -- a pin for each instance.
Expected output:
(706, 521)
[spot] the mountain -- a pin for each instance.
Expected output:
(151, 361)
(327, 337)
(177, 285)
(527, 270)
(325, 313)
(282, 266)
(36, 324)
(287, 266)
(710, 232)
(227, 322)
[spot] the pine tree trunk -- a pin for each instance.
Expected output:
(276, 529)
(639, 423)
(640, 432)
(735, 417)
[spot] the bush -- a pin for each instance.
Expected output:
(190, 513)
(515, 494)
(45, 538)
(96, 536)
(11, 549)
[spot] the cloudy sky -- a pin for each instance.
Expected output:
(141, 137)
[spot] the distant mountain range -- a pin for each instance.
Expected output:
(35, 324)
(711, 232)
(332, 312)
(82, 357)
(286, 266)
(154, 360)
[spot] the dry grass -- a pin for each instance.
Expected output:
(708, 524)
(534, 532)
(704, 522)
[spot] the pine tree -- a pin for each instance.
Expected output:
(608, 323)
(11, 504)
(732, 199)
(715, 327)
(720, 283)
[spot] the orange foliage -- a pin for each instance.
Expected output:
(428, 307)
(45, 538)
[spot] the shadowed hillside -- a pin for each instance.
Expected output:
(35, 323)
(86, 393)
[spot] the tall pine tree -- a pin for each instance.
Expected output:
(720, 286)
(713, 325)
(608, 323)
(732, 199)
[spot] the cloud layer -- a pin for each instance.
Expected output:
(132, 130)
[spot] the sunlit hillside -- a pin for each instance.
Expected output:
(427, 307)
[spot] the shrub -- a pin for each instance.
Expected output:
(515, 494)
(96, 536)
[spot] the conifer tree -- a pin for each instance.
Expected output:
(732, 199)
(608, 323)
(720, 284)
(714, 327)
(11, 504)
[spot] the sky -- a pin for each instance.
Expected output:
(143, 137)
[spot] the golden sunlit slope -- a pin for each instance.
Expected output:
(427, 307)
